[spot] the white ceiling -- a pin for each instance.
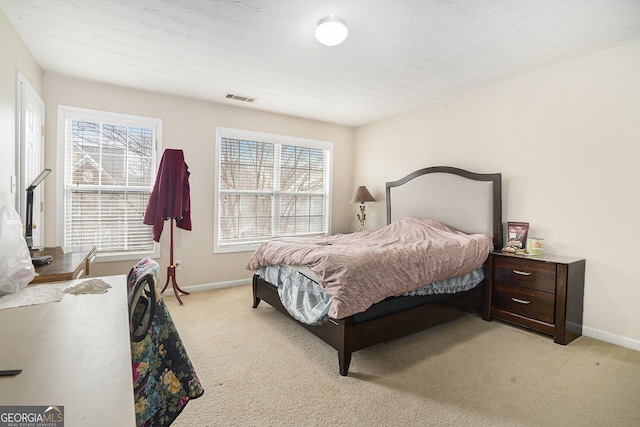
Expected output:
(399, 54)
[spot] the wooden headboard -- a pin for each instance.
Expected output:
(467, 201)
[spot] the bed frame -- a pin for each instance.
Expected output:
(467, 201)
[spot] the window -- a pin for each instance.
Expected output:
(269, 186)
(109, 163)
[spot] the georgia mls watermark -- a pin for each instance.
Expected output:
(31, 416)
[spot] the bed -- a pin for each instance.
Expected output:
(465, 201)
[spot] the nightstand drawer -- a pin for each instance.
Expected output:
(525, 302)
(525, 272)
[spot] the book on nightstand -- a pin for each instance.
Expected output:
(516, 237)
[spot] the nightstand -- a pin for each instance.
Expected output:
(543, 293)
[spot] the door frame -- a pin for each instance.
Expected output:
(25, 90)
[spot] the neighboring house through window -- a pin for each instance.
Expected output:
(108, 170)
(269, 186)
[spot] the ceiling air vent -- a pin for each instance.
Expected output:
(239, 98)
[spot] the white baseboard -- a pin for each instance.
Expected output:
(611, 338)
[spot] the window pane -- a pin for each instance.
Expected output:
(110, 221)
(140, 171)
(301, 215)
(316, 205)
(85, 155)
(245, 216)
(246, 165)
(316, 224)
(302, 206)
(302, 169)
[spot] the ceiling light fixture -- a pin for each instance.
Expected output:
(331, 30)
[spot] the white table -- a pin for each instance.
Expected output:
(73, 353)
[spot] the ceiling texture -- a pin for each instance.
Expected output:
(399, 54)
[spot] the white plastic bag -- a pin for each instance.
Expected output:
(16, 269)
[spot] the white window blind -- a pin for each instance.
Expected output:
(109, 171)
(269, 186)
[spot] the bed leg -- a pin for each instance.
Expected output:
(345, 347)
(256, 300)
(344, 360)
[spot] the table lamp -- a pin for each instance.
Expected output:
(362, 195)
(28, 234)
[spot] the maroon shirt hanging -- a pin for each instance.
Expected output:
(170, 195)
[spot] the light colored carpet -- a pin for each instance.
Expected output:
(259, 368)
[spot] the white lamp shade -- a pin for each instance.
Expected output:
(331, 31)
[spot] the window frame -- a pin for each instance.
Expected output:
(66, 112)
(233, 133)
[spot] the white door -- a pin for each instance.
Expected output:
(31, 152)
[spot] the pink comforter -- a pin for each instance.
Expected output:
(360, 269)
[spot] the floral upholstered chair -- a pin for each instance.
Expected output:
(164, 380)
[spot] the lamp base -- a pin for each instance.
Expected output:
(362, 216)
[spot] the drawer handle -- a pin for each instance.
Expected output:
(520, 301)
(522, 273)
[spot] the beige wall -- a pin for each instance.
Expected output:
(190, 125)
(15, 58)
(567, 141)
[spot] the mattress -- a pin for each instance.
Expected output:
(303, 297)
